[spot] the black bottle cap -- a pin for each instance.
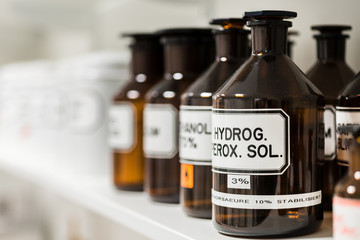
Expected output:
(269, 17)
(327, 31)
(270, 14)
(176, 35)
(140, 35)
(143, 39)
(185, 32)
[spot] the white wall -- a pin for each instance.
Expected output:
(310, 13)
(53, 29)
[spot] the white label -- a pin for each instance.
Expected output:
(160, 130)
(265, 201)
(330, 132)
(347, 118)
(195, 135)
(238, 181)
(250, 141)
(346, 218)
(122, 126)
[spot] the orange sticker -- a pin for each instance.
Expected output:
(187, 175)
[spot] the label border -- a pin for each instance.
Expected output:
(333, 155)
(283, 114)
(127, 150)
(190, 109)
(175, 149)
(343, 162)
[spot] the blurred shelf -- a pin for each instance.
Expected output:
(133, 210)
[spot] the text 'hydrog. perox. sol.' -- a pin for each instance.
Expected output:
(267, 136)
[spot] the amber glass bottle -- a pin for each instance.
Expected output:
(347, 117)
(330, 74)
(195, 116)
(188, 52)
(346, 215)
(267, 140)
(126, 113)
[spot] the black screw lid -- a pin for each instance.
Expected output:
(270, 14)
(143, 39)
(327, 31)
(269, 17)
(185, 32)
(181, 35)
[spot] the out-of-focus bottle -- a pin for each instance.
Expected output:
(347, 116)
(126, 113)
(267, 140)
(290, 43)
(330, 74)
(195, 116)
(346, 201)
(188, 52)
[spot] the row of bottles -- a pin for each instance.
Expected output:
(244, 140)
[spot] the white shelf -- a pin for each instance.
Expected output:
(133, 210)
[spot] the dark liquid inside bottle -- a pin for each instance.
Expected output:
(231, 51)
(146, 70)
(188, 52)
(271, 82)
(330, 74)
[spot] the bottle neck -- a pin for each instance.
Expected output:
(187, 58)
(231, 44)
(269, 39)
(331, 48)
(147, 61)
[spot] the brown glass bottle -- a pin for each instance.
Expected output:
(346, 214)
(330, 74)
(126, 113)
(195, 116)
(188, 52)
(347, 117)
(267, 141)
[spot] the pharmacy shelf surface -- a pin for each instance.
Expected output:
(133, 210)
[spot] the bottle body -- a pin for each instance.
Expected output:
(126, 131)
(161, 140)
(188, 52)
(195, 137)
(261, 170)
(330, 77)
(126, 113)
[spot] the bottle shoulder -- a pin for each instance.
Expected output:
(209, 82)
(272, 76)
(330, 77)
(353, 88)
(168, 90)
(133, 90)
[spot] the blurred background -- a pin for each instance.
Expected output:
(60, 63)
